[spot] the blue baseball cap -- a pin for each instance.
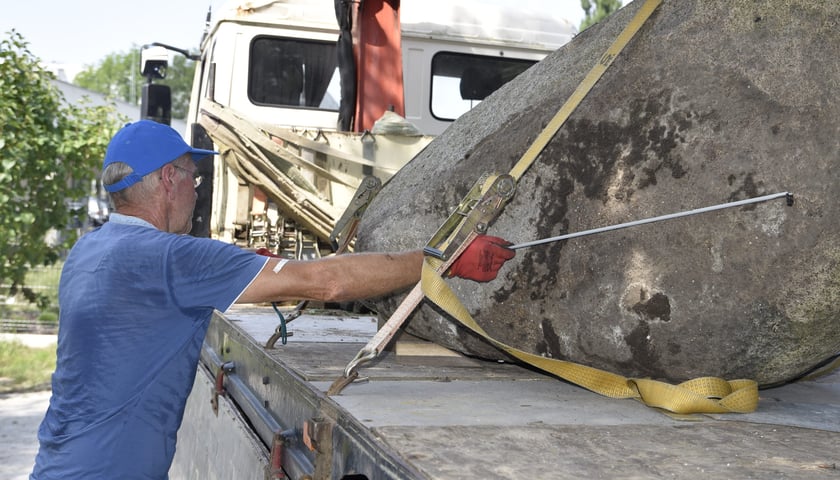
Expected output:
(146, 146)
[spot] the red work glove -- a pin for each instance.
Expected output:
(266, 252)
(482, 259)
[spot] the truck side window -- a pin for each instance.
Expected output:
(293, 72)
(460, 81)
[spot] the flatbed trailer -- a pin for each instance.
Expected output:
(427, 413)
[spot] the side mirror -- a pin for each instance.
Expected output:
(153, 62)
(156, 103)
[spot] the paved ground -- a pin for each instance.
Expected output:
(29, 339)
(20, 415)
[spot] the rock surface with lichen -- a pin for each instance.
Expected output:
(713, 101)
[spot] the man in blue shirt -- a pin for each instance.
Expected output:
(136, 296)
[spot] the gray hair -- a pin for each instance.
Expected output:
(138, 192)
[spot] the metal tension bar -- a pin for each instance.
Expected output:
(787, 195)
(477, 210)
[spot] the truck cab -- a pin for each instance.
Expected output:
(304, 102)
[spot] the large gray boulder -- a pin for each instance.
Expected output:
(713, 101)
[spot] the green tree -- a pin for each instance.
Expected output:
(597, 10)
(50, 152)
(118, 76)
(179, 77)
(115, 76)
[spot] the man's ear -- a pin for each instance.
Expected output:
(168, 178)
(167, 173)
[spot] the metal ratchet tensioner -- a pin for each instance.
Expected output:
(482, 204)
(345, 227)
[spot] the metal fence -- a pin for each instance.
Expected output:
(18, 315)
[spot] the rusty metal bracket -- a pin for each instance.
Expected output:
(315, 432)
(277, 454)
(276, 457)
(219, 389)
(317, 436)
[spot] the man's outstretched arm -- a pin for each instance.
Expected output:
(366, 275)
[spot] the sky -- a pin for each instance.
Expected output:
(83, 32)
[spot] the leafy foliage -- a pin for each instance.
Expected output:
(597, 10)
(115, 76)
(50, 152)
(118, 76)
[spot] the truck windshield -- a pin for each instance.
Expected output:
(460, 81)
(293, 72)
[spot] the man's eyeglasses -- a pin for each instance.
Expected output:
(196, 177)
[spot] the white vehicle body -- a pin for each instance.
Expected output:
(250, 66)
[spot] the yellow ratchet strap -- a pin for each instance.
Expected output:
(700, 395)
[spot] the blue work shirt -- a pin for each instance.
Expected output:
(135, 303)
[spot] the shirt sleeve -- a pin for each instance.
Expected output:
(208, 273)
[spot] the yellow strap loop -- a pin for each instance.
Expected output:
(700, 395)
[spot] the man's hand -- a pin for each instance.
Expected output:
(482, 259)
